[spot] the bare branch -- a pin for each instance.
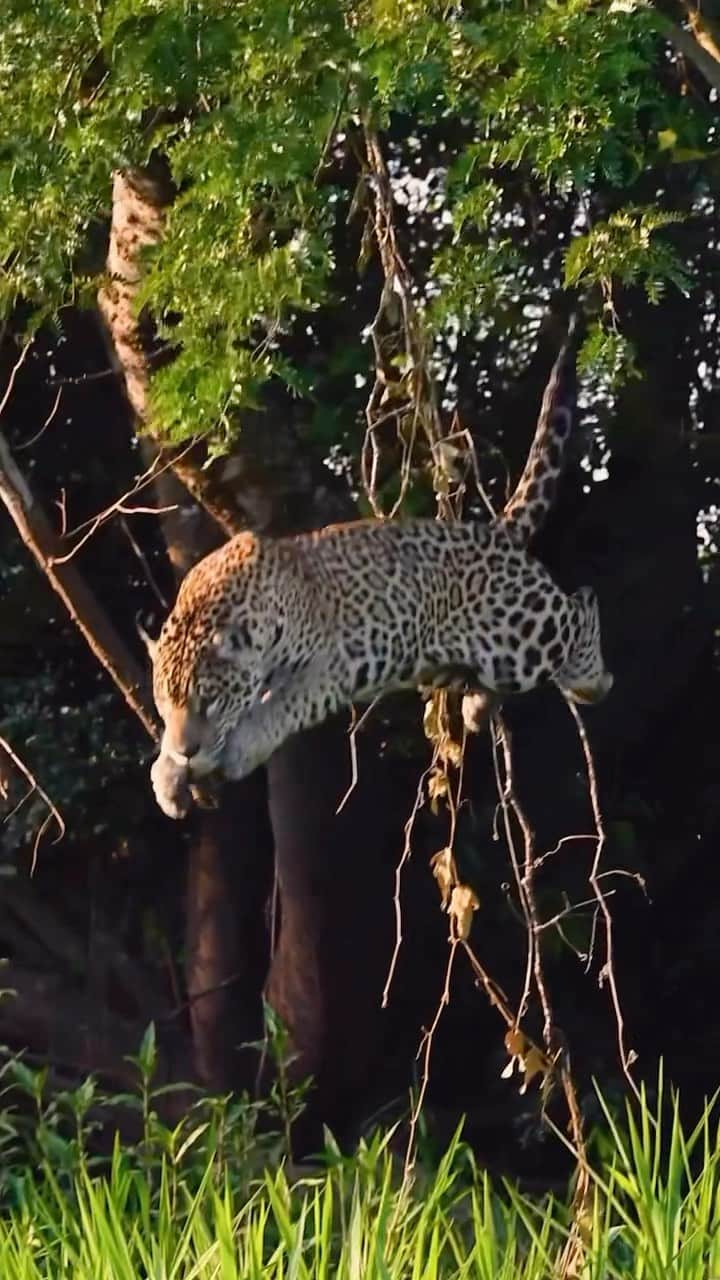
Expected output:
(252, 486)
(82, 378)
(404, 858)
(34, 438)
(149, 575)
(688, 45)
(355, 727)
(53, 813)
(607, 972)
(92, 525)
(545, 857)
(402, 357)
(87, 614)
(425, 1051)
(13, 375)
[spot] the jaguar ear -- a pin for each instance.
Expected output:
(587, 600)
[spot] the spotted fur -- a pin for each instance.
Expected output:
(535, 492)
(270, 636)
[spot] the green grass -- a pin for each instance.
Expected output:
(211, 1199)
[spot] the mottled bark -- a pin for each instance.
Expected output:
(272, 482)
(140, 198)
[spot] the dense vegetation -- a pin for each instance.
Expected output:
(206, 1199)
(294, 263)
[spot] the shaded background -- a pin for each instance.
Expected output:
(132, 918)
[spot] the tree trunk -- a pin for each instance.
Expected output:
(227, 879)
(274, 483)
(335, 877)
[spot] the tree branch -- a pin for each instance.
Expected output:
(36, 532)
(693, 49)
(704, 19)
(272, 482)
(138, 217)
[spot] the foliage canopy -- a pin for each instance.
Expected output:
(255, 108)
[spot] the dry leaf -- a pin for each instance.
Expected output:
(534, 1064)
(438, 788)
(450, 751)
(436, 724)
(445, 872)
(448, 458)
(431, 719)
(463, 902)
(530, 1060)
(515, 1042)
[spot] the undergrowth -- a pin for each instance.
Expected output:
(213, 1197)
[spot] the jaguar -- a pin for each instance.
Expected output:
(269, 636)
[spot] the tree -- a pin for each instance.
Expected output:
(279, 185)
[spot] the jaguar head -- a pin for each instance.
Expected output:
(207, 676)
(584, 678)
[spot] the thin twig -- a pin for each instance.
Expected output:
(34, 439)
(416, 401)
(404, 858)
(607, 971)
(504, 789)
(53, 811)
(149, 575)
(13, 375)
(557, 1057)
(355, 727)
(82, 377)
(342, 99)
(544, 857)
(426, 1046)
(38, 536)
(61, 504)
(92, 525)
(571, 909)
(494, 993)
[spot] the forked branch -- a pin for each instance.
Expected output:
(66, 581)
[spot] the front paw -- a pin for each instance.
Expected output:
(171, 784)
(478, 708)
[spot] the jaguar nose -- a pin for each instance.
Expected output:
(183, 737)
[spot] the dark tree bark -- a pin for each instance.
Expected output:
(229, 857)
(274, 483)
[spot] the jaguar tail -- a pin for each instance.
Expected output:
(535, 493)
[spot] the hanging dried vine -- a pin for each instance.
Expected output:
(403, 419)
(405, 434)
